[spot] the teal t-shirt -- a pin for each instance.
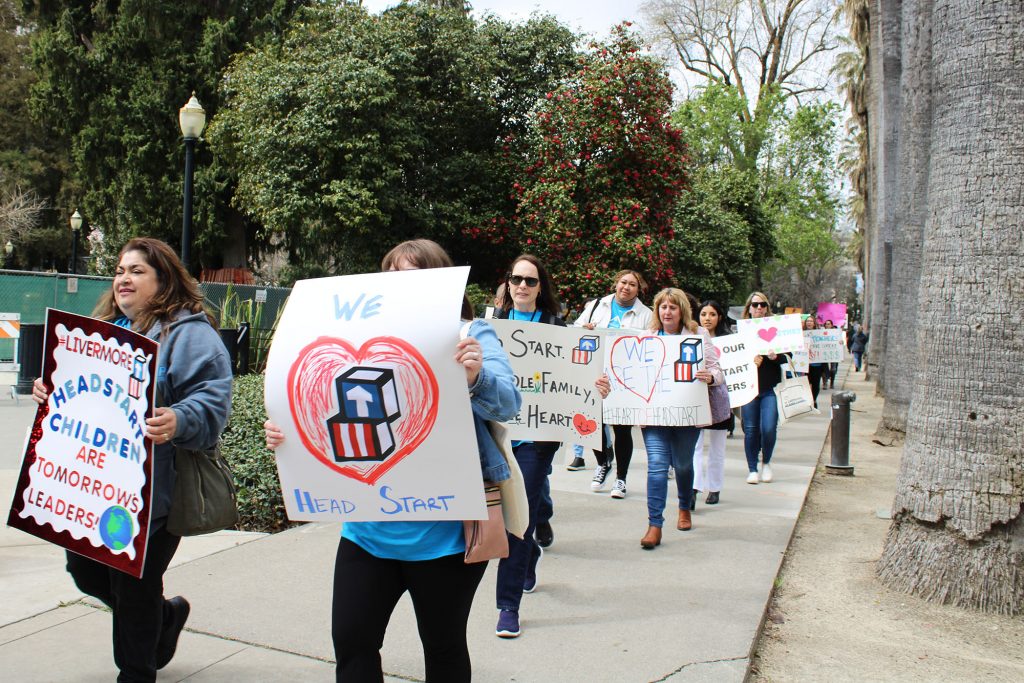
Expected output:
(408, 541)
(617, 313)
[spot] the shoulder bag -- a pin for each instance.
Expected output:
(204, 493)
(794, 396)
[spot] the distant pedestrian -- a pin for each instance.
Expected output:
(154, 295)
(621, 309)
(858, 347)
(815, 371)
(833, 368)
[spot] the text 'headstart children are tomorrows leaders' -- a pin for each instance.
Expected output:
(87, 475)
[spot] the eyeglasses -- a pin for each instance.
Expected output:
(516, 280)
(759, 304)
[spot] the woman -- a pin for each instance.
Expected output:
(673, 446)
(621, 309)
(528, 296)
(154, 295)
(761, 416)
(858, 344)
(713, 320)
(379, 561)
(833, 368)
(815, 371)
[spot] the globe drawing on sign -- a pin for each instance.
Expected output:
(116, 528)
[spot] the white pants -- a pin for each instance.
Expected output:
(709, 478)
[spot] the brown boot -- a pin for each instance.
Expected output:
(652, 538)
(684, 521)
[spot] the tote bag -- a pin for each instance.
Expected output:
(794, 396)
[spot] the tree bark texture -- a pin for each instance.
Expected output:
(957, 534)
(888, 48)
(910, 210)
(874, 99)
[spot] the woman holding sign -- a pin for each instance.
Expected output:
(673, 446)
(621, 309)
(761, 416)
(815, 371)
(377, 562)
(529, 296)
(154, 295)
(713, 320)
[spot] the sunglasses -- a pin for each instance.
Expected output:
(516, 280)
(758, 304)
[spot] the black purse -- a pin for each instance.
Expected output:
(204, 498)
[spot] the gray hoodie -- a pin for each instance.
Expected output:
(193, 378)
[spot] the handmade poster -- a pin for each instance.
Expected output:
(556, 368)
(653, 381)
(87, 475)
(737, 363)
(825, 346)
(799, 360)
(362, 380)
(830, 311)
(774, 334)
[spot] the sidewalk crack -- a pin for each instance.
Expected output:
(689, 664)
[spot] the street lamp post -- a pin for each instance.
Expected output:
(76, 226)
(192, 119)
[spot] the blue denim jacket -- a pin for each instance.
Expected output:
(494, 396)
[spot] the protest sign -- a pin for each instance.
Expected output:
(830, 311)
(375, 411)
(87, 475)
(555, 371)
(737, 363)
(773, 334)
(653, 381)
(800, 360)
(825, 346)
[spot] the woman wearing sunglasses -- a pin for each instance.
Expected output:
(526, 295)
(621, 309)
(761, 416)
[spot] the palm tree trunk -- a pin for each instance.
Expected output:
(957, 534)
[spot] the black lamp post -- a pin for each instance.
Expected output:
(192, 119)
(76, 226)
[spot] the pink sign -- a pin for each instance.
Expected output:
(830, 311)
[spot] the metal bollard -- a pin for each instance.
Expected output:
(840, 464)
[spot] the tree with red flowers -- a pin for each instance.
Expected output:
(602, 168)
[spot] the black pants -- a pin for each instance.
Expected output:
(366, 590)
(138, 605)
(814, 374)
(623, 452)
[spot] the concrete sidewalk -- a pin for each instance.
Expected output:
(605, 610)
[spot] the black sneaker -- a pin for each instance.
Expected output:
(544, 534)
(576, 464)
(600, 474)
(175, 621)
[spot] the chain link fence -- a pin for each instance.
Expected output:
(29, 294)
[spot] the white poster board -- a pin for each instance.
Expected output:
(653, 383)
(361, 378)
(799, 360)
(774, 334)
(825, 346)
(737, 363)
(556, 368)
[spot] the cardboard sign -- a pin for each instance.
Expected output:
(653, 381)
(825, 346)
(737, 364)
(774, 334)
(830, 311)
(87, 475)
(361, 378)
(555, 371)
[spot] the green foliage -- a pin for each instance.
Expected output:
(260, 502)
(111, 78)
(602, 170)
(356, 131)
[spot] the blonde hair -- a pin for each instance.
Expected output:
(682, 302)
(746, 306)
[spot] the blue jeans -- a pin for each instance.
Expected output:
(858, 356)
(668, 445)
(535, 461)
(760, 423)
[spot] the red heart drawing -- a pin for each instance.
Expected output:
(768, 333)
(645, 366)
(583, 425)
(312, 397)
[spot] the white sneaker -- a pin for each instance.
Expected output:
(752, 478)
(766, 473)
(619, 490)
